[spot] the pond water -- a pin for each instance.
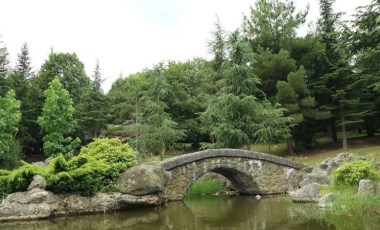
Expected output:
(243, 212)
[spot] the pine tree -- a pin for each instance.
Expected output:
(91, 112)
(234, 116)
(4, 68)
(19, 80)
(156, 130)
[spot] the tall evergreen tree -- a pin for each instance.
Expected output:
(156, 130)
(91, 112)
(19, 80)
(366, 40)
(337, 88)
(217, 47)
(234, 114)
(4, 68)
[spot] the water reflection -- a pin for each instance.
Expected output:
(233, 213)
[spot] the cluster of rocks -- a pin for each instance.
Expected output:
(37, 203)
(305, 184)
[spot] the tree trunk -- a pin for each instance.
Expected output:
(344, 134)
(334, 135)
(289, 143)
(162, 151)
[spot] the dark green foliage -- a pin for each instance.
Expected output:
(272, 24)
(349, 174)
(4, 69)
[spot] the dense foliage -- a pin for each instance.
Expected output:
(349, 174)
(264, 83)
(95, 169)
(10, 116)
(114, 153)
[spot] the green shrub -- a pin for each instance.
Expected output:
(349, 174)
(19, 179)
(82, 174)
(117, 155)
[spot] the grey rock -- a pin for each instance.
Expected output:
(366, 187)
(37, 182)
(294, 179)
(143, 179)
(327, 200)
(308, 193)
(38, 203)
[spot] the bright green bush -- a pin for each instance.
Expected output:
(19, 179)
(82, 174)
(117, 155)
(349, 174)
(95, 169)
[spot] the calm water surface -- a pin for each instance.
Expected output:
(244, 212)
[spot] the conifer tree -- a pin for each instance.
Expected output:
(57, 121)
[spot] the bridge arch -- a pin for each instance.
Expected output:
(250, 172)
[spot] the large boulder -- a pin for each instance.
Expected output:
(37, 182)
(308, 193)
(327, 200)
(143, 179)
(366, 187)
(323, 172)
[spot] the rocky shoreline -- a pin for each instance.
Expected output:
(37, 203)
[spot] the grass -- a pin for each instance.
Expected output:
(204, 188)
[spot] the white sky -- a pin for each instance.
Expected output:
(125, 35)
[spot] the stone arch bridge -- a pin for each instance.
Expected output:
(250, 172)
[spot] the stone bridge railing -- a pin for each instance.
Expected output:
(215, 153)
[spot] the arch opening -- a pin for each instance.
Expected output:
(242, 182)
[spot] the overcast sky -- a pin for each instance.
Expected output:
(125, 35)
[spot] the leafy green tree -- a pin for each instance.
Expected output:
(4, 69)
(10, 116)
(70, 71)
(57, 121)
(124, 98)
(234, 114)
(156, 130)
(272, 24)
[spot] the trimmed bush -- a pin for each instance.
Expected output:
(19, 179)
(95, 169)
(82, 174)
(114, 153)
(349, 174)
